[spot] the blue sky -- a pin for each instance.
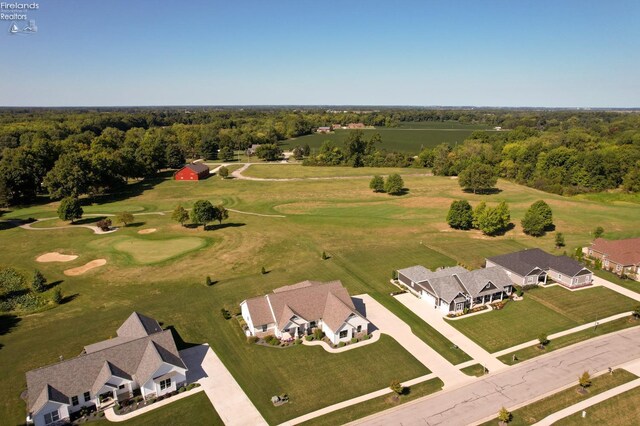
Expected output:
(484, 53)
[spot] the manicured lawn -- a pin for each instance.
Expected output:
(150, 250)
(570, 339)
(628, 283)
(196, 408)
(621, 410)
(543, 310)
(473, 370)
(537, 411)
(366, 236)
(375, 405)
(279, 171)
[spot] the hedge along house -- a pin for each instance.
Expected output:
(455, 289)
(195, 171)
(535, 266)
(142, 358)
(619, 256)
(294, 311)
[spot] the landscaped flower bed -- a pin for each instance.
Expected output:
(137, 402)
(467, 311)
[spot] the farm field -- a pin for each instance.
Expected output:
(410, 138)
(365, 235)
(543, 310)
(277, 171)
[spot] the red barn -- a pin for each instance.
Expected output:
(196, 171)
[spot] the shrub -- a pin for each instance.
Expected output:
(191, 386)
(308, 338)
(366, 337)
(324, 256)
(57, 296)
(252, 339)
(274, 341)
(318, 334)
(543, 339)
(584, 380)
(504, 415)
(182, 389)
(394, 275)
(341, 344)
(39, 282)
(297, 341)
(225, 314)
(397, 387)
(377, 184)
(104, 224)
(521, 292)
(118, 407)
(354, 340)
(100, 413)
(207, 281)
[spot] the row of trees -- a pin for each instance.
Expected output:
(490, 220)
(394, 184)
(203, 213)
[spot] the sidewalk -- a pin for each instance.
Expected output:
(615, 287)
(390, 324)
(434, 318)
(560, 334)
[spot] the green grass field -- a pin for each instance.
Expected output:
(148, 251)
(366, 236)
(608, 412)
(197, 408)
(543, 310)
(278, 171)
(411, 138)
(538, 410)
(629, 284)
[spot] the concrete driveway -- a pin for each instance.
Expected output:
(617, 288)
(226, 395)
(390, 324)
(434, 318)
(517, 385)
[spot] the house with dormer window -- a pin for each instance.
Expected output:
(296, 310)
(453, 289)
(142, 358)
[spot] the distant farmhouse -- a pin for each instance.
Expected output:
(355, 126)
(195, 171)
(323, 129)
(296, 310)
(534, 266)
(336, 126)
(252, 150)
(454, 289)
(142, 359)
(619, 256)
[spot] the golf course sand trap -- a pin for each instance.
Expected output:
(84, 268)
(54, 256)
(147, 231)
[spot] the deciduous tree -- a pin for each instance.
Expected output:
(223, 172)
(70, 209)
(460, 215)
(203, 212)
(180, 215)
(478, 177)
(394, 184)
(377, 183)
(124, 218)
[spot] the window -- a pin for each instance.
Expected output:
(87, 397)
(121, 387)
(359, 329)
(165, 384)
(344, 333)
(312, 324)
(264, 327)
(74, 400)
(51, 417)
(560, 277)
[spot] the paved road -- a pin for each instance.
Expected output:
(517, 385)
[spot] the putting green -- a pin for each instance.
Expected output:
(153, 251)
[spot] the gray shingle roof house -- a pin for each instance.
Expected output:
(295, 310)
(533, 266)
(454, 289)
(142, 357)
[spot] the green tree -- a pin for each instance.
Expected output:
(223, 172)
(394, 184)
(220, 213)
(306, 150)
(207, 281)
(537, 219)
(543, 339)
(69, 177)
(492, 221)
(477, 212)
(460, 215)
(631, 181)
(104, 224)
(39, 282)
(180, 215)
(269, 152)
(559, 240)
(397, 387)
(175, 156)
(70, 209)
(203, 212)
(377, 183)
(226, 153)
(598, 232)
(57, 296)
(124, 217)
(477, 177)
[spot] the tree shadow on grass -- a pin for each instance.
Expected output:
(54, 284)
(9, 224)
(224, 225)
(7, 323)
(490, 191)
(134, 225)
(509, 227)
(131, 190)
(89, 219)
(403, 191)
(70, 298)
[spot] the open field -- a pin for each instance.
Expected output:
(277, 171)
(537, 411)
(411, 138)
(197, 408)
(366, 236)
(147, 251)
(543, 310)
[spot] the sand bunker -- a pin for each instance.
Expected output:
(54, 256)
(147, 231)
(84, 268)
